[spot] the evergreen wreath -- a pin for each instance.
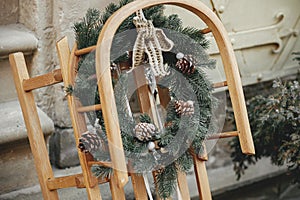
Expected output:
(188, 119)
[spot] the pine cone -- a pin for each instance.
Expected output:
(185, 63)
(144, 131)
(89, 142)
(184, 108)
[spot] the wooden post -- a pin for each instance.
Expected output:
(110, 116)
(202, 179)
(33, 125)
(78, 120)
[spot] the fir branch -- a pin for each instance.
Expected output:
(87, 30)
(101, 172)
(166, 181)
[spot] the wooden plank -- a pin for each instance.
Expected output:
(33, 125)
(42, 80)
(183, 186)
(75, 180)
(223, 135)
(164, 97)
(138, 184)
(63, 182)
(146, 102)
(138, 187)
(201, 179)
(220, 84)
(85, 50)
(205, 30)
(89, 108)
(67, 63)
(109, 110)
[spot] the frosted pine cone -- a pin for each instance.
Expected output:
(144, 131)
(89, 142)
(185, 63)
(184, 108)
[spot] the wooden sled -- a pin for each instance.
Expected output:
(67, 73)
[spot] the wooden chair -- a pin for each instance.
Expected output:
(67, 73)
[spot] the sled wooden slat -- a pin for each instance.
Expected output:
(138, 185)
(183, 186)
(89, 108)
(33, 125)
(64, 182)
(206, 30)
(85, 50)
(42, 80)
(111, 121)
(67, 63)
(202, 179)
(223, 135)
(147, 105)
(220, 84)
(75, 180)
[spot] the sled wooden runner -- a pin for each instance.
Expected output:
(68, 61)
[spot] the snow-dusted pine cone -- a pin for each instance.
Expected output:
(184, 107)
(185, 63)
(89, 142)
(144, 131)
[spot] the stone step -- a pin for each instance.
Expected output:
(16, 163)
(15, 38)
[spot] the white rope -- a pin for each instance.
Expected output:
(147, 186)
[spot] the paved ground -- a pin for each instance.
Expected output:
(264, 186)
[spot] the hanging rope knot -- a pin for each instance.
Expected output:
(152, 41)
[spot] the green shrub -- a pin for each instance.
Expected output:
(275, 126)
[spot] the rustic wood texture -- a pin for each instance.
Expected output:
(85, 50)
(206, 30)
(223, 135)
(33, 125)
(64, 182)
(110, 116)
(89, 108)
(183, 186)
(42, 80)
(202, 179)
(220, 84)
(68, 63)
(138, 185)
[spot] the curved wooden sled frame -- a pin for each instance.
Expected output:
(229, 62)
(226, 51)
